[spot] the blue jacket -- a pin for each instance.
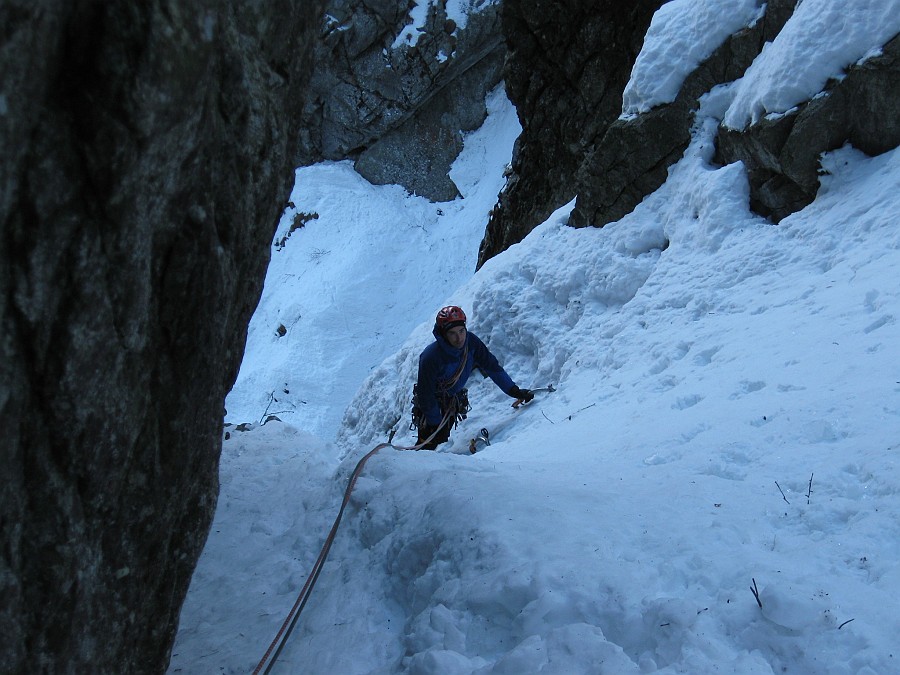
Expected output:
(440, 361)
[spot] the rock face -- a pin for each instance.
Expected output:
(632, 158)
(395, 99)
(148, 149)
(567, 66)
(782, 155)
(612, 164)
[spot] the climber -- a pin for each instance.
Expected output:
(444, 368)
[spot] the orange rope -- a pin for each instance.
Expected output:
(290, 621)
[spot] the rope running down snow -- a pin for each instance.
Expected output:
(290, 621)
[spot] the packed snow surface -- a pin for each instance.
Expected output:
(713, 486)
(819, 42)
(682, 34)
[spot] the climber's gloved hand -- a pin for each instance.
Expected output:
(524, 395)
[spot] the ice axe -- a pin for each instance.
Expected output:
(521, 401)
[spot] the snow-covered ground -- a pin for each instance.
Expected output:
(727, 415)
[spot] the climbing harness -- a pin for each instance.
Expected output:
(458, 403)
(290, 621)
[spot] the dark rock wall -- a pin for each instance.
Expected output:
(148, 149)
(399, 111)
(567, 65)
(419, 153)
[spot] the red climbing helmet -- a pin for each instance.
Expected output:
(449, 317)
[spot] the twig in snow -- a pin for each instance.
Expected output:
(266, 411)
(845, 623)
(755, 591)
(547, 418)
(781, 491)
(274, 416)
(809, 492)
(579, 410)
(317, 254)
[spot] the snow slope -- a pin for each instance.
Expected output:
(727, 416)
